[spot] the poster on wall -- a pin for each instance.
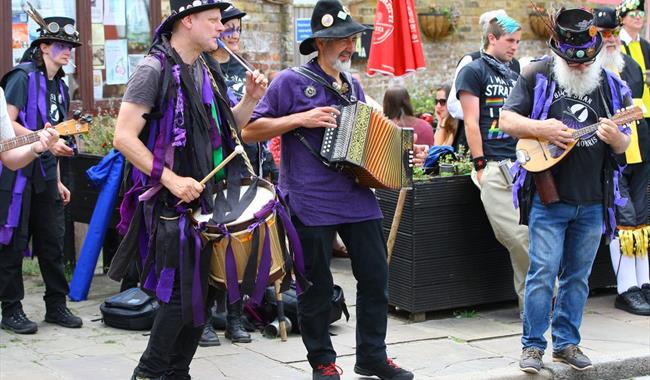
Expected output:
(98, 84)
(115, 54)
(17, 55)
(97, 11)
(98, 56)
(134, 60)
(98, 34)
(20, 35)
(114, 12)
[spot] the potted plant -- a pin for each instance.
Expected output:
(463, 163)
(446, 165)
(538, 18)
(437, 22)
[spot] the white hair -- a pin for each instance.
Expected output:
(613, 61)
(576, 82)
(485, 18)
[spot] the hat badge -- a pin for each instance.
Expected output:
(592, 31)
(327, 20)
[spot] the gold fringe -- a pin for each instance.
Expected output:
(634, 240)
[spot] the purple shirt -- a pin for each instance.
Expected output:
(317, 195)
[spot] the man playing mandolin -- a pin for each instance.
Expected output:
(552, 98)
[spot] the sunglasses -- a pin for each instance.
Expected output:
(636, 13)
(442, 102)
(610, 32)
(230, 31)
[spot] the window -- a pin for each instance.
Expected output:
(24, 29)
(121, 35)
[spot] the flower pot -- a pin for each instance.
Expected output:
(447, 170)
(538, 26)
(434, 25)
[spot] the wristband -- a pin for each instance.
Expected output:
(36, 154)
(479, 163)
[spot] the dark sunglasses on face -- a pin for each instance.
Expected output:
(442, 102)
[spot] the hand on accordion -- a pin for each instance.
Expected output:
(321, 117)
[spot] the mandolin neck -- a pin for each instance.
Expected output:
(17, 141)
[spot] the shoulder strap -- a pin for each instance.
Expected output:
(303, 140)
(318, 79)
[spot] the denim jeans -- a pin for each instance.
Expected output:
(564, 239)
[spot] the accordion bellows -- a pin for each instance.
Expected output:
(378, 151)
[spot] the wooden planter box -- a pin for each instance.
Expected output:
(82, 204)
(446, 255)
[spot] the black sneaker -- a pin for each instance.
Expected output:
(387, 370)
(209, 337)
(572, 356)
(327, 372)
(633, 302)
(62, 316)
(531, 360)
(18, 323)
(645, 290)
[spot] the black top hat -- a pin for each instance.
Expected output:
(182, 8)
(630, 5)
(330, 20)
(57, 29)
(575, 38)
(231, 13)
(606, 18)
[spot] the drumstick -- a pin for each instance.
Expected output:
(283, 325)
(238, 150)
(392, 236)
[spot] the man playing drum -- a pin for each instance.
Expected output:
(324, 201)
(174, 126)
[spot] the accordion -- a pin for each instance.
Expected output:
(379, 152)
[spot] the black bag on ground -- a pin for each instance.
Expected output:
(290, 301)
(132, 309)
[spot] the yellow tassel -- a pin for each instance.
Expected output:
(634, 240)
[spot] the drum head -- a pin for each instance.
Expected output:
(265, 194)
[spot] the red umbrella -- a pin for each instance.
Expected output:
(396, 48)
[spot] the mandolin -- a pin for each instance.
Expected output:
(74, 126)
(537, 155)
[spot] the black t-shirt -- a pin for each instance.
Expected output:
(492, 89)
(578, 176)
(16, 93)
(235, 75)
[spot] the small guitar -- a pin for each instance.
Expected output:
(75, 126)
(537, 155)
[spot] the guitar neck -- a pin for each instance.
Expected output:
(17, 141)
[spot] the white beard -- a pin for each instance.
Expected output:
(342, 67)
(577, 83)
(613, 61)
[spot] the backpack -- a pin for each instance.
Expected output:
(267, 312)
(132, 309)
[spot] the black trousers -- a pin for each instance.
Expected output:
(365, 244)
(42, 219)
(634, 187)
(172, 343)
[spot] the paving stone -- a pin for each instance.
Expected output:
(469, 329)
(101, 367)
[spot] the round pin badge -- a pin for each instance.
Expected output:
(580, 53)
(592, 31)
(327, 20)
(310, 91)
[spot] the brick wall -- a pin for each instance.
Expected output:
(268, 38)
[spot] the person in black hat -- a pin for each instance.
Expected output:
(33, 204)
(299, 105)
(174, 126)
(551, 99)
(628, 251)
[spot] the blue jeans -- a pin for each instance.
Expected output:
(564, 239)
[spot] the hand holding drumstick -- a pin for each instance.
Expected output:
(238, 150)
